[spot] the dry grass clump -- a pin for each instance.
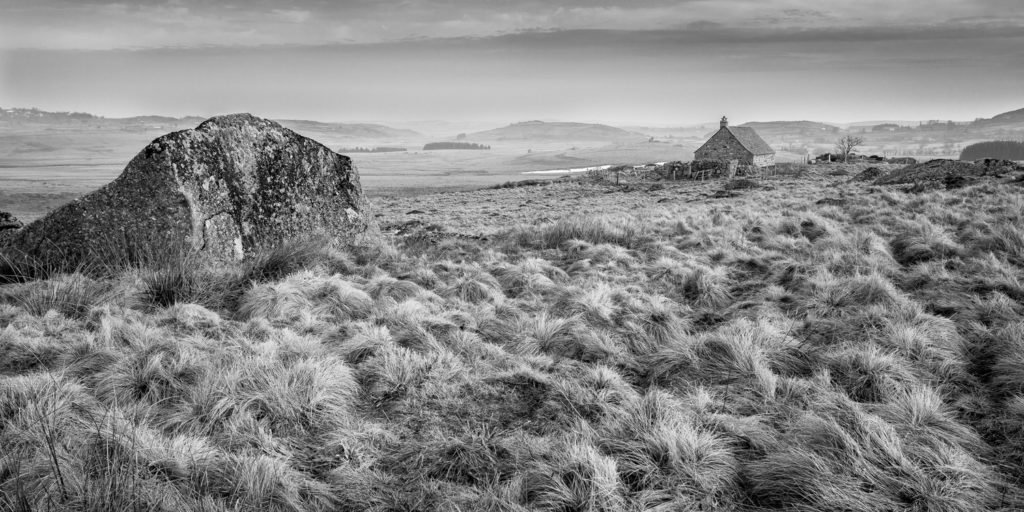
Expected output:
(191, 282)
(531, 275)
(389, 287)
(922, 240)
(576, 477)
(1007, 370)
(843, 456)
(475, 288)
(858, 252)
(290, 257)
(736, 354)
(71, 295)
(340, 299)
(871, 374)
(829, 295)
(594, 230)
(283, 301)
(666, 459)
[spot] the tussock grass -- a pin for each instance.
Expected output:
(922, 241)
(287, 258)
(870, 375)
(578, 477)
(71, 295)
(189, 282)
(475, 289)
(708, 287)
(740, 354)
(396, 289)
(594, 230)
(283, 301)
(340, 299)
(532, 275)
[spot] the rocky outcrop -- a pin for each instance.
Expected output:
(8, 221)
(233, 185)
(953, 173)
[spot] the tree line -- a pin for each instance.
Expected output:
(453, 145)
(1001, 149)
(378, 149)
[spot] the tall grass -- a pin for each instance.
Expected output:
(595, 230)
(737, 355)
(71, 295)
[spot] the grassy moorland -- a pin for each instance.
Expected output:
(767, 351)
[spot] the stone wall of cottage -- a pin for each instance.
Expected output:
(764, 160)
(722, 147)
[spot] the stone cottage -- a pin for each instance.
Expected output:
(736, 143)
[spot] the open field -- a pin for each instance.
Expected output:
(47, 161)
(798, 343)
(45, 166)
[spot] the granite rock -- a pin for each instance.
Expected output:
(233, 185)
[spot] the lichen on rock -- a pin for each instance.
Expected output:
(233, 185)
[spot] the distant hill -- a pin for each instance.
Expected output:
(776, 129)
(870, 124)
(553, 131)
(693, 130)
(160, 120)
(352, 130)
(1015, 117)
(36, 117)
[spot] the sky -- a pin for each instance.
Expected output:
(639, 62)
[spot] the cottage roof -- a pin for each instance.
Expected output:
(750, 140)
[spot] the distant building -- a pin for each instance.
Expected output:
(736, 143)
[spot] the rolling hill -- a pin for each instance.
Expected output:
(779, 129)
(557, 131)
(31, 117)
(354, 130)
(1013, 120)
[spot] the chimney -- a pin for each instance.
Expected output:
(725, 122)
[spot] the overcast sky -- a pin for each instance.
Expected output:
(616, 61)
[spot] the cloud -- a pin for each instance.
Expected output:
(292, 15)
(664, 76)
(107, 24)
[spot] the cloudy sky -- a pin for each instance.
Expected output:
(617, 61)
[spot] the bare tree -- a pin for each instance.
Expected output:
(846, 145)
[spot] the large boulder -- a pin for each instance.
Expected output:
(233, 185)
